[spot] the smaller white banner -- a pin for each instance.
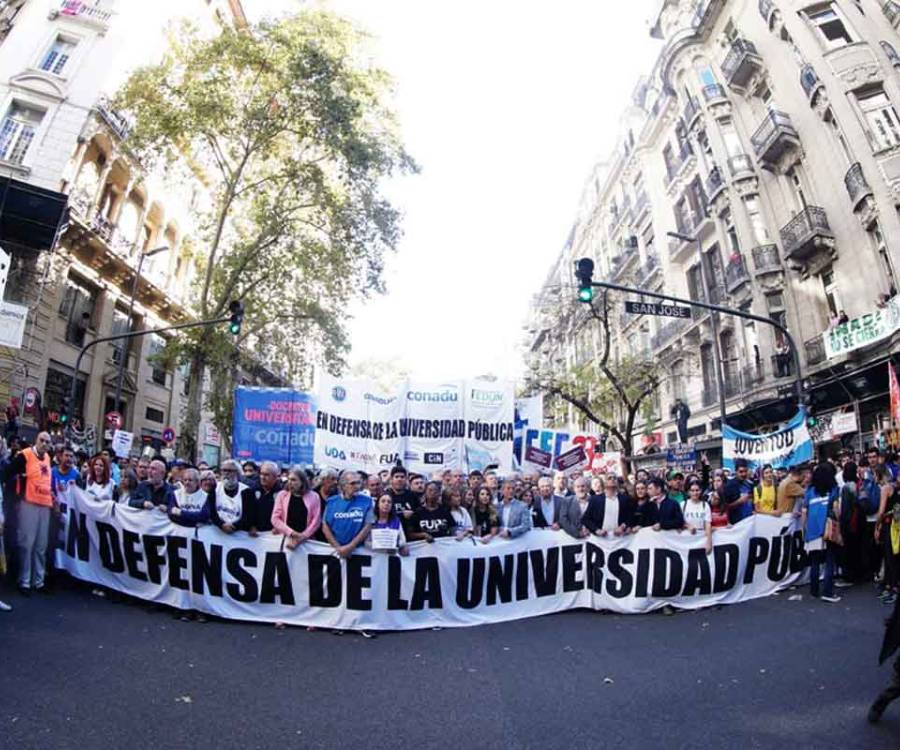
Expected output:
(12, 324)
(121, 443)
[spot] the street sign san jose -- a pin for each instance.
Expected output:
(657, 308)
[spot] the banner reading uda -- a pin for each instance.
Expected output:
(462, 425)
(784, 448)
(275, 424)
(447, 583)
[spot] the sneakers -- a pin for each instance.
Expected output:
(833, 599)
(843, 584)
(4, 607)
(368, 634)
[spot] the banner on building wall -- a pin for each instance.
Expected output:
(559, 442)
(274, 424)
(789, 446)
(12, 324)
(444, 584)
(864, 330)
(463, 425)
(832, 425)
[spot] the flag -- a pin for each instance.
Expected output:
(895, 393)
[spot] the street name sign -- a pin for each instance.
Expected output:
(657, 308)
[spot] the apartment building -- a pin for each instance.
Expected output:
(100, 244)
(767, 140)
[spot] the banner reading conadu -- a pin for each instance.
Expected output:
(447, 583)
(462, 425)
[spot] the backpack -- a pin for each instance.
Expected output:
(869, 496)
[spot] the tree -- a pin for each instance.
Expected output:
(289, 129)
(610, 390)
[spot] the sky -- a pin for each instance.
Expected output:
(506, 106)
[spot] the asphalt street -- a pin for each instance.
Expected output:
(82, 672)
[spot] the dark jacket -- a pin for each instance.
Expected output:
(537, 512)
(263, 505)
(592, 519)
(670, 515)
(644, 515)
(145, 491)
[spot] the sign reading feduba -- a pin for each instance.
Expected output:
(789, 446)
(464, 425)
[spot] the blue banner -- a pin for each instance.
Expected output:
(789, 446)
(274, 424)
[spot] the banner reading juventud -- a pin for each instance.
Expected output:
(789, 446)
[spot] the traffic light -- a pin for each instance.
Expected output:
(236, 308)
(64, 410)
(811, 419)
(584, 272)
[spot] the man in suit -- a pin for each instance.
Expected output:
(514, 515)
(670, 514)
(573, 508)
(610, 512)
(545, 507)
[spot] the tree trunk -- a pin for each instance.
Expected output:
(191, 424)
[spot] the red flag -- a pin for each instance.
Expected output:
(895, 393)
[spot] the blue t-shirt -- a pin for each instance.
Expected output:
(816, 513)
(346, 518)
(62, 479)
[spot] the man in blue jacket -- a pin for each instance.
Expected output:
(670, 515)
(515, 516)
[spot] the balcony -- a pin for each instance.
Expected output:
(809, 81)
(691, 111)
(669, 333)
(766, 259)
(736, 274)
(714, 184)
(622, 262)
(891, 11)
(674, 168)
(775, 137)
(641, 204)
(782, 365)
(857, 187)
(646, 271)
(741, 63)
(95, 14)
(815, 351)
(116, 122)
(891, 52)
(804, 235)
(740, 166)
(714, 92)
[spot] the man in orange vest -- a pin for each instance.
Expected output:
(33, 465)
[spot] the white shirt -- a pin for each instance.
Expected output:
(193, 501)
(101, 491)
(697, 514)
(547, 510)
(229, 509)
(462, 519)
(611, 514)
(507, 507)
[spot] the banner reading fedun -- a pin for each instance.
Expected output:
(447, 583)
(463, 425)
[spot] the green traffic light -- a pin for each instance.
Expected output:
(586, 294)
(63, 418)
(235, 328)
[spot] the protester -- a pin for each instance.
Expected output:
(208, 480)
(610, 512)
(231, 503)
(887, 533)
(250, 477)
(386, 518)
(297, 512)
(738, 494)
(790, 492)
(676, 486)
(64, 472)
(697, 513)
(515, 516)
(32, 466)
(264, 497)
(645, 512)
(326, 485)
(156, 492)
(818, 509)
(100, 485)
(545, 507)
(573, 508)
(765, 493)
(561, 484)
(853, 528)
(4, 607)
(143, 469)
(431, 520)
(189, 503)
(669, 514)
(486, 523)
(889, 647)
(462, 521)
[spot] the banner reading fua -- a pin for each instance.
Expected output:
(447, 583)
(428, 427)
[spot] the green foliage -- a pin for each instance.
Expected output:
(289, 129)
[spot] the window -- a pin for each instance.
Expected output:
(77, 307)
(757, 222)
(59, 385)
(677, 381)
(832, 30)
(155, 415)
(669, 158)
(120, 325)
(708, 367)
(730, 137)
(713, 259)
(58, 55)
(695, 284)
(880, 116)
(796, 183)
(705, 75)
(831, 292)
(838, 135)
(17, 132)
(876, 238)
(158, 372)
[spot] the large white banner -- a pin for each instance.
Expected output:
(447, 583)
(462, 425)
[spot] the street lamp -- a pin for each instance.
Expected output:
(714, 324)
(134, 284)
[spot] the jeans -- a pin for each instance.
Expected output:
(33, 534)
(816, 558)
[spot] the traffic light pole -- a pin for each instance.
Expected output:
(798, 389)
(130, 335)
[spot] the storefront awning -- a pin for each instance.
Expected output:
(30, 217)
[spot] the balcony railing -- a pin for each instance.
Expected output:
(691, 110)
(766, 259)
(679, 160)
(669, 332)
(774, 137)
(713, 92)
(741, 62)
(641, 203)
(651, 266)
(809, 80)
(83, 10)
(714, 183)
(815, 350)
(801, 235)
(891, 51)
(855, 182)
(736, 274)
(117, 122)
(740, 164)
(891, 11)
(765, 9)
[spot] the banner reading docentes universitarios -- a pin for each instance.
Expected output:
(277, 424)
(462, 425)
(447, 583)
(784, 448)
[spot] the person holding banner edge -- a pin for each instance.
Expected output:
(297, 513)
